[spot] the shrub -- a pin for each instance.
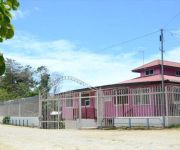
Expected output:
(174, 126)
(62, 125)
(6, 120)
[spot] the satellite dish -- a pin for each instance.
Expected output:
(54, 113)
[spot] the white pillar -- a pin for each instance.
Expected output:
(19, 109)
(80, 112)
(97, 108)
(166, 99)
(58, 103)
(40, 109)
(116, 105)
(167, 106)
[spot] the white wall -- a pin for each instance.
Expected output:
(91, 123)
(28, 121)
(173, 120)
(83, 123)
(1, 119)
(71, 124)
(138, 121)
(88, 123)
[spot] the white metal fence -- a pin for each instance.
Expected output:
(123, 106)
(108, 107)
(26, 107)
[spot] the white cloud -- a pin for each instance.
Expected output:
(173, 55)
(72, 59)
(169, 55)
(19, 14)
(175, 33)
(37, 8)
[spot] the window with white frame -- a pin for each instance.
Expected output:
(121, 96)
(149, 72)
(85, 99)
(141, 96)
(85, 102)
(178, 73)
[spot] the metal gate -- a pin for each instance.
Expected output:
(66, 109)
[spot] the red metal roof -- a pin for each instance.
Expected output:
(153, 78)
(156, 63)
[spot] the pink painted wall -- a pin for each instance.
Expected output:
(157, 70)
(170, 71)
(87, 112)
(111, 110)
(70, 113)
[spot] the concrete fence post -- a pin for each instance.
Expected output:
(167, 105)
(129, 123)
(147, 123)
(19, 109)
(80, 112)
(97, 108)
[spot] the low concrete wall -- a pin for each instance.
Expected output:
(25, 121)
(91, 123)
(88, 123)
(172, 120)
(71, 124)
(83, 123)
(138, 121)
(1, 119)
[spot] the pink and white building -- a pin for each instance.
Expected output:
(133, 102)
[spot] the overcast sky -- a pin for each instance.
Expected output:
(85, 38)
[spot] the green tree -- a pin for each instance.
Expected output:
(6, 27)
(44, 78)
(2, 64)
(21, 81)
(17, 81)
(4, 95)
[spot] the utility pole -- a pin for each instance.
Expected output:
(162, 76)
(143, 56)
(142, 51)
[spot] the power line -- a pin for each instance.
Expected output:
(172, 29)
(172, 19)
(173, 33)
(130, 40)
(145, 35)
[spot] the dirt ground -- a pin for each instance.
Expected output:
(23, 138)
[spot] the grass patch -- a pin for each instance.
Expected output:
(132, 128)
(174, 126)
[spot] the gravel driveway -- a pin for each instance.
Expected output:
(23, 138)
